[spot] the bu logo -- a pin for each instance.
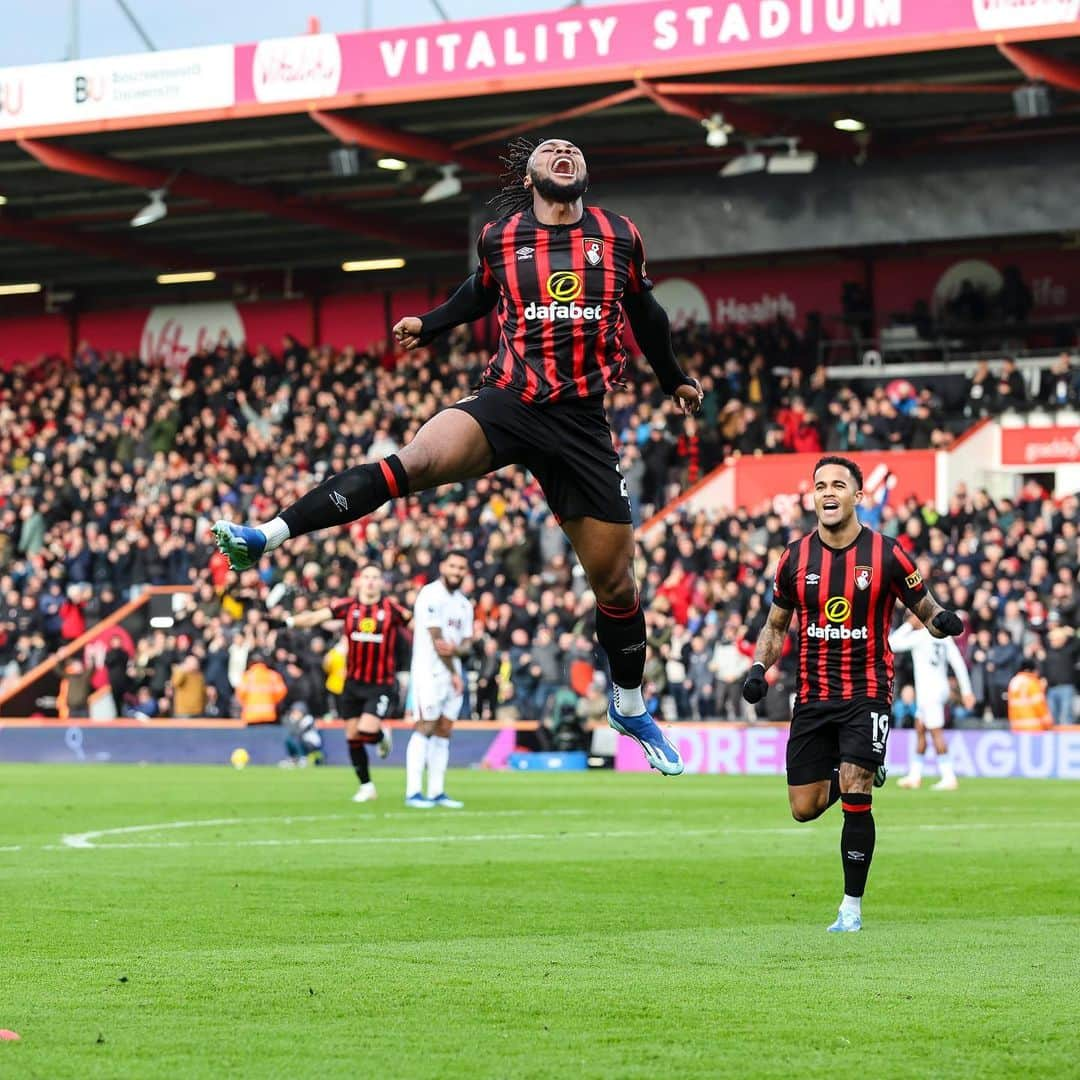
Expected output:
(863, 576)
(594, 250)
(339, 501)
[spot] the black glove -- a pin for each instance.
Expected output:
(948, 623)
(755, 687)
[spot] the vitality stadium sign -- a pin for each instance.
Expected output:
(641, 40)
(576, 46)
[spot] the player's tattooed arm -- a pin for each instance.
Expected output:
(936, 619)
(770, 642)
(445, 649)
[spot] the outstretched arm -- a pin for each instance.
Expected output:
(307, 619)
(652, 331)
(472, 300)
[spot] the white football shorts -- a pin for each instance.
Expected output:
(932, 716)
(434, 698)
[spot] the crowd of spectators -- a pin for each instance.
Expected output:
(1010, 565)
(112, 472)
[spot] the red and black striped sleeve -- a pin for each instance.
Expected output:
(401, 615)
(783, 587)
(483, 266)
(904, 577)
(637, 277)
(339, 608)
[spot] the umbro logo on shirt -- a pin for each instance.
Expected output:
(812, 579)
(524, 253)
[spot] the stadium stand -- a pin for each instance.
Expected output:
(112, 474)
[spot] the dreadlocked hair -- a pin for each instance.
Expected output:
(513, 197)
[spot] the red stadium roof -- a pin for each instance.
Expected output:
(239, 137)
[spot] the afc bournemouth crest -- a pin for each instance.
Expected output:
(863, 576)
(594, 250)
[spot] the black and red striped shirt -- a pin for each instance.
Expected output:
(371, 637)
(844, 598)
(560, 292)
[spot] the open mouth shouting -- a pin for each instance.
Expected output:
(564, 167)
(557, 170)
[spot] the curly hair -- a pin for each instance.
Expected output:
(513, 197)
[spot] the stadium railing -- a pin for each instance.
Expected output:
(37, 690)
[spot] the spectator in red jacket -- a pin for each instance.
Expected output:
(72, 618)
(806, 438)
(678, 587)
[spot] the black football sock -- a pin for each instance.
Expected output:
(621, 633)
(358, 757)
(856, 841)
(347, 496)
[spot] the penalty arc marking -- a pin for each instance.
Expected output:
(87, 841)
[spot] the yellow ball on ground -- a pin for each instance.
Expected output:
(239, 758)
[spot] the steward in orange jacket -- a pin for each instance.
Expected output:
(260, 693)
(1028, 710)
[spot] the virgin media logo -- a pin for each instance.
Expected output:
(175, 332)
(285, 69)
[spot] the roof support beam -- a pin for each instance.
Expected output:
(1059, 73)
(226, 194)
(607, 102)
(374, 137)
(32, 232)
(802, 89)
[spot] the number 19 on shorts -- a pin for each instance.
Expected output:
(879, 722)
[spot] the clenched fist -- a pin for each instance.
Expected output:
(407, 331)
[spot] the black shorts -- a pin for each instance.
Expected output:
(566, 445)
(367, 699)
(825, 733)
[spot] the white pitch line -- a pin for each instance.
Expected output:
(12, 847)
(433, 839)
(86, 839)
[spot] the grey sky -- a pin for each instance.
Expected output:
(38, 31)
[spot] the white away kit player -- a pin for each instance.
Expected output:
(443, 629)
(932, 657)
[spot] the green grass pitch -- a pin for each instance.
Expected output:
(202, 922)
